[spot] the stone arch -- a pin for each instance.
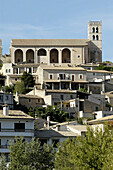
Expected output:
(42, 52)
(93, 29)
(30, 56)
(54, 56)
(66, 56)
(97, 37)
(96, 29)
(93, 37)
(18, 56)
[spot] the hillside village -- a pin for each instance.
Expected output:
(68, 75)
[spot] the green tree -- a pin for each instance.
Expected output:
(30, 156)
(8, 89)
(20, 87)
(83, 90)
(3, 165)
(56, 114)
(95, 151)
(31, 112)
(28, 80)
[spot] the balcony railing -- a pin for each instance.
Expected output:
(4, 146)
(17, 130)
(64, 78)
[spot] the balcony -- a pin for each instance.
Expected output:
(16, 132)
(4, 146)
(64, 78)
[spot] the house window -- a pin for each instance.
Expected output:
(55, 104)
(19, 127)
(29, 100)
(34, 69)
(78, 56)
(29, 70)
(73, 77)
(50, 76)
(38, 100)
(42, 141)
(71, 96)
(55, 142)
(18, 60)
(9, 70)
(80, 76)
(62, 76)
(1, 98)
(6, 97)
(96, 108)
(15, 79)
(62, 97)
(18, 139)
(6, 70)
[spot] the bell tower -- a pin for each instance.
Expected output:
(95, 37)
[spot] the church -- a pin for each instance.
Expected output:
(60, 51)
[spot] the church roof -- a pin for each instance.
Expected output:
(49, 42)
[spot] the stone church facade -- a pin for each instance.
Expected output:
(60, 51)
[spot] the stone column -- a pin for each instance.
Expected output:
(103, 87)
(24, 55)
(48, 57)
(60, 57)
(35, 56)
(70, 85)
(79, 85)
(52, 86)
(88, 88)
(18, 71)
(83, 56)
(13, 55)
(59, 85)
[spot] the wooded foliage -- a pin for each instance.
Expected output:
(28, 80)
(91, 152)
(30, 156)
(56, 114)
(95, 151)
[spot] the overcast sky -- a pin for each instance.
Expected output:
(55, 19)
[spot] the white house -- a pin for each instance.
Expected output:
(14, 123)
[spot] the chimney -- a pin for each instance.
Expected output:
(5, 110)
(48, 121)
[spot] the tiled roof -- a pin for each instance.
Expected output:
(30, 96)
(61, 91)
(15, 114)
(53, 133)
(62, 68)
(98, 71)
(49, 42)
(79, 127)
(103, 119)
(25, 65)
